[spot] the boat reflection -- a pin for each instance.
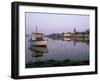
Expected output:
(38, 51)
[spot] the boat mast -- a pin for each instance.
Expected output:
(36, 29)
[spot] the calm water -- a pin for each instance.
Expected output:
(57, 50)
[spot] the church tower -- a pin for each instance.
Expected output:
(74, 30)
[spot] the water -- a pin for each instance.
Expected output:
(76, 50)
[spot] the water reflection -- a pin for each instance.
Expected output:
(38, 51)
(58, 52)
(74, 39)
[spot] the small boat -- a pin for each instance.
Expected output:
(38, 39)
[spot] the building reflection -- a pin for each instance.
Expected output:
(75, 36)
(76, 40)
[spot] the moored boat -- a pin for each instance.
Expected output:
(38, 39)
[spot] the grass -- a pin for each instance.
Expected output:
(54, 63)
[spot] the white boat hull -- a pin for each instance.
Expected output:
(38, 43)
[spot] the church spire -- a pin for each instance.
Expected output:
(74, 30)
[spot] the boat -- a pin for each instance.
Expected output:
(38, 39)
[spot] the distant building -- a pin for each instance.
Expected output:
(79, 34)
(67, 34)
(75, 34)
(74, 30)
(86, 35)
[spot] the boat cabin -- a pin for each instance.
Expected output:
(38, 36)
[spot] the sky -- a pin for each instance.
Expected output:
(55, 23)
